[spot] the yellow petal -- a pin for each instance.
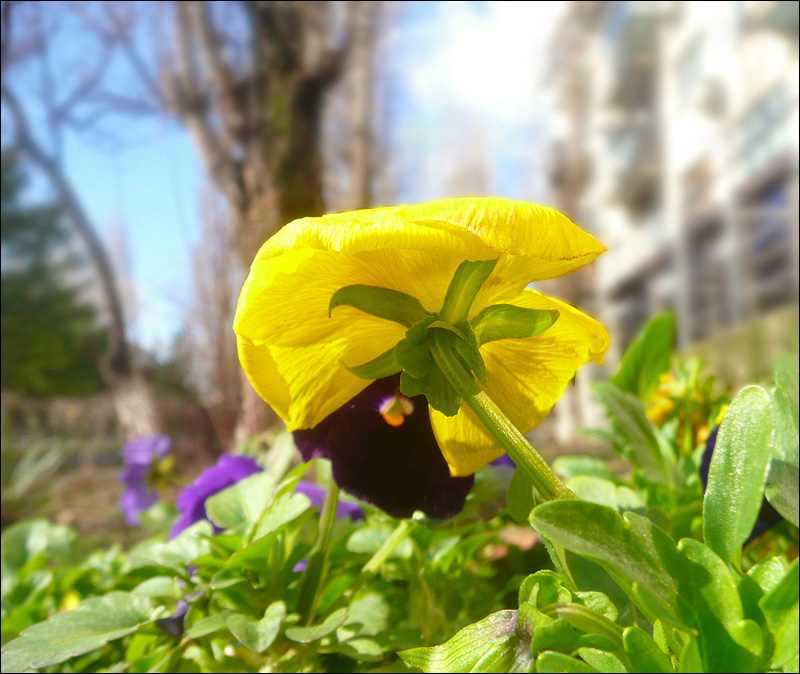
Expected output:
(467, 229)
(525, 378)
(289, 347)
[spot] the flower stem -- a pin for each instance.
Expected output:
(318, 557)
(541, 476)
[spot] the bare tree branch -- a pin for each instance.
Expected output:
(118, 361)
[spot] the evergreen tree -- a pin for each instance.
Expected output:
(51, 341)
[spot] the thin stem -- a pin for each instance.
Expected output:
(390, 545)
(541, 476)
(318, 557)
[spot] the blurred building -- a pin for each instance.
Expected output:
(676, 144)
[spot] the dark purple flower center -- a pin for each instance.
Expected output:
(382, 449)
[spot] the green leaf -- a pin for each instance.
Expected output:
(368, 540)
(780, 607)
(467, 280)
(605, 662)
(686, 586)
(241, 503)
(782, 490)
(738, 473)
(391, 305)
(384, 365)
(552, 663)
(642, 651)
(315, 632)
(634, 429)
(159, 586)
(490, 645)
(23, 541)
(567, 467)
(258, 635)
(506, 321)
(65, 635)
(519, 497)
(647, 358)
(204, 626)
(281, 511)
(601, 491)
(361, 649)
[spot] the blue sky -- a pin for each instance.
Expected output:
(467, 82)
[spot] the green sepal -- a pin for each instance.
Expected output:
(464, 286)
(440, 394)
(506, 321)
(391, 305)
(413, 358)
(384, 365)
(444, 325)
(468, 349)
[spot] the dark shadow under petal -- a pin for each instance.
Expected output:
(399, 469)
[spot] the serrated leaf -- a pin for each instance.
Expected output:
(64, 635)
(687, 587)
(391, 305)
(506, 321)
(634, 430)
(738, 473)
(647, 358)
(490, 645)
(315, 632)
(258, 635)
(241, 503)
(780, 607)
(782, 490)
(519, 497)
(643, 652)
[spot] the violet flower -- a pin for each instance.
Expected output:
(139, 456)
(191, 502)
(382, 450)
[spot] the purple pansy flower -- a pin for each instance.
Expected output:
(139, 456)
(382, 450)
(191, 502)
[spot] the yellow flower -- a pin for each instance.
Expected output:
(293, 350)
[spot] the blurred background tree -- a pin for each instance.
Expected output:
(52, 341)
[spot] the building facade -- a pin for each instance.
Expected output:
(675, 142)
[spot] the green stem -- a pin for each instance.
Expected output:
(541, 476)
(318, 557)
(384, 552)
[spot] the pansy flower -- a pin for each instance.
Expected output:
(191, 502)
(337, 304)
(140, 457)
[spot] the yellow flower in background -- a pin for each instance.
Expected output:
(294, 351)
